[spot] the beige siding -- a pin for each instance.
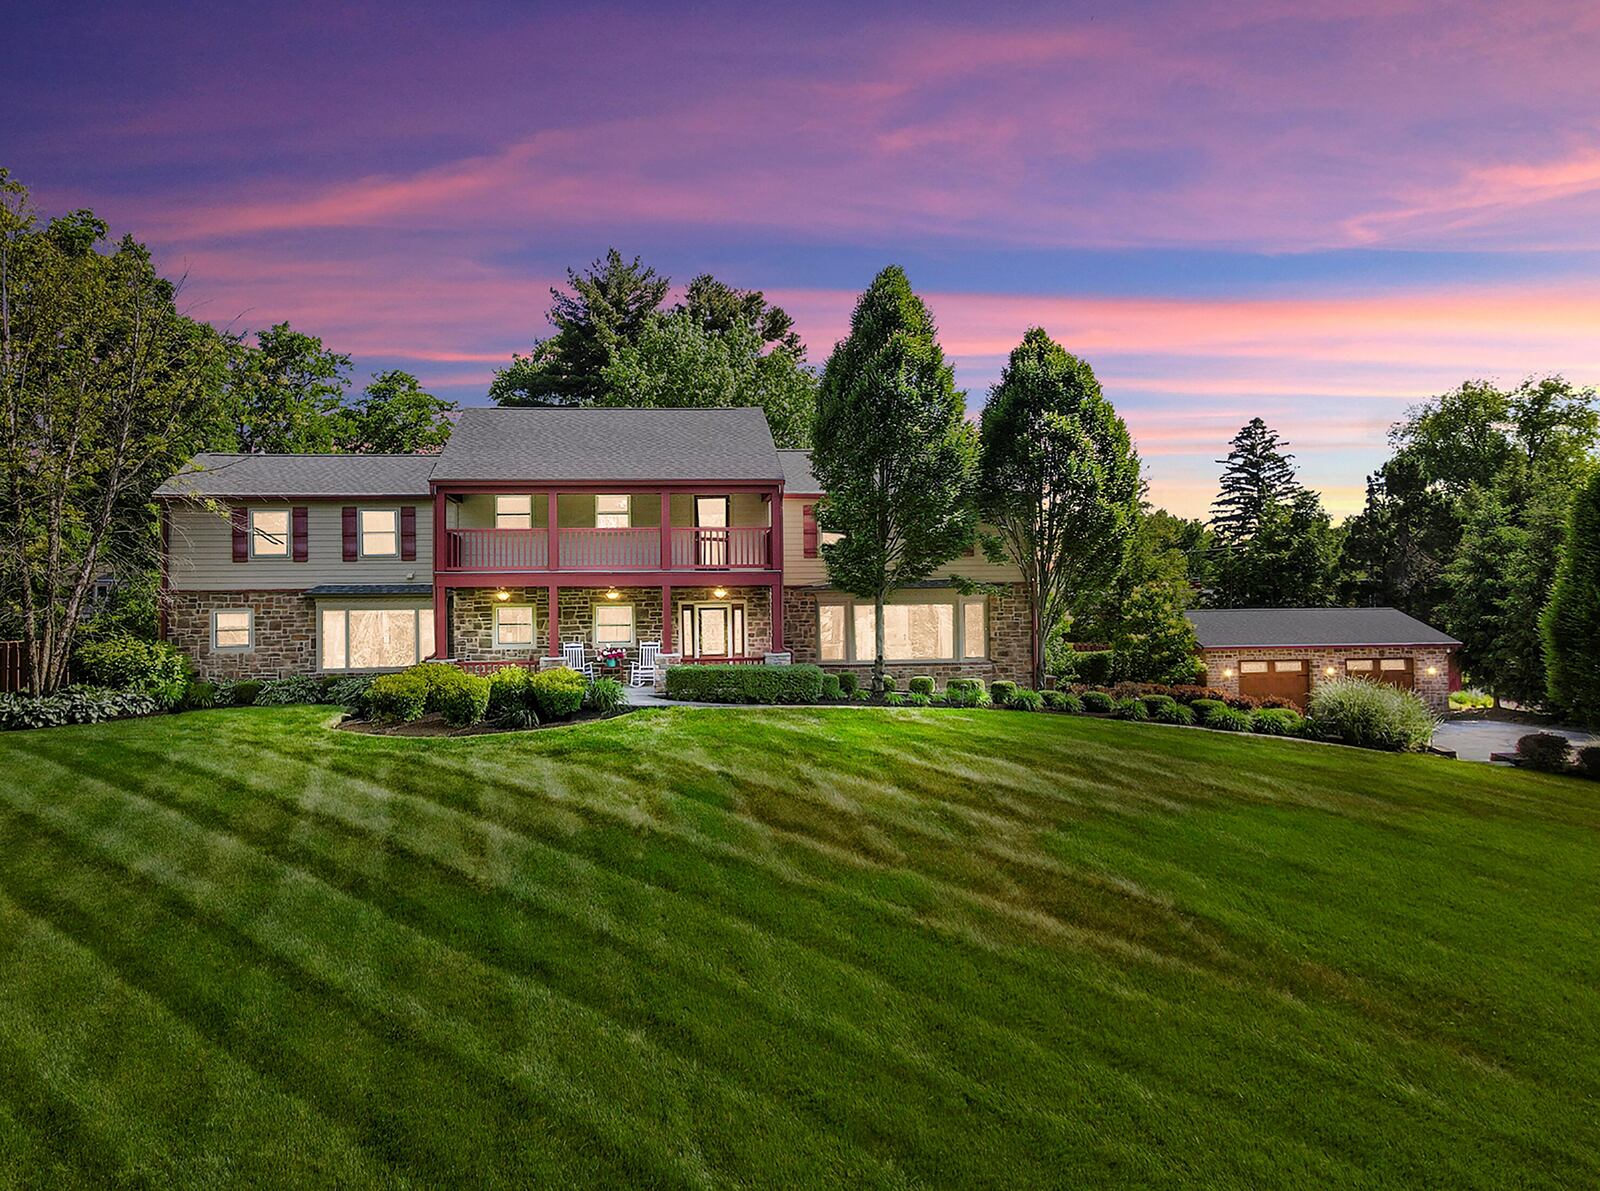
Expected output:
(202, 551)
(800, 571)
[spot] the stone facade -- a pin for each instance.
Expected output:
(285, 633)
(1010, 641)
(472, 617)
(1430, 666)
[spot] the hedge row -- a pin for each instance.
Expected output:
(746, 684)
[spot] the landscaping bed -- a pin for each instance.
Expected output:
(437, 725)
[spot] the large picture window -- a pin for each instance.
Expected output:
(269, 533)
(944, 629)
(375, 638)
(513, 512)
(380, 533)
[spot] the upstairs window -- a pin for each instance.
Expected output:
(613, 512)
(513, 512)
(380, 533)
(269, 533)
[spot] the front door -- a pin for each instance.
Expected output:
(713, 630)
(711, 523)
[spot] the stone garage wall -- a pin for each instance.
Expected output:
(285, 633)
(1010, 635)
(1434, 688)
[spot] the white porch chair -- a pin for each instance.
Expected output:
(644, 670)
(572, 652)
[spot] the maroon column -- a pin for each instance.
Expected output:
(666, 534)
(441, 559)
(776, 597)
(775, 561)
(554, 595)
(666, 618)
(552, 535)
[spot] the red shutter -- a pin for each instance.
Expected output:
(300, 517)
(808, 538)
(408, 532)
(351, 550)
(241, 534)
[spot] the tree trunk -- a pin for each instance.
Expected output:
(1037, 642)
(877, 657)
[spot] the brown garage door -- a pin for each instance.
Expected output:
(1394, 671)
(1282, 679)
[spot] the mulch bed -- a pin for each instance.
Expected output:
(434, 725)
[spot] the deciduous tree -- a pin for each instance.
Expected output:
(286, 393)
(396, 414)
(1571, 620)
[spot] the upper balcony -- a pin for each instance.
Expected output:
(616, 533)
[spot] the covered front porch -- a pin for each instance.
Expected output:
(484, 628)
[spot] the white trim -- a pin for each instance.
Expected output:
(627, 509)
(594, 628)
(533, 627)
(361, 531)
(249, 630)
(500, 517)
(424, 619)
(288, 533)
(858, 653)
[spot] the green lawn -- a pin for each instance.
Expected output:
(793, 947)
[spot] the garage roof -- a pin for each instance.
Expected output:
(1245, 628)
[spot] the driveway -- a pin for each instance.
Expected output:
(1474, 740)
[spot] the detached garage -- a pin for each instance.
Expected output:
(1286, 652)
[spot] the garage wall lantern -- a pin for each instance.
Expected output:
(1328, 670)
(1432, 670)
(1227, 672)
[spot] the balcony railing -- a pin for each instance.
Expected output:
(702, 549)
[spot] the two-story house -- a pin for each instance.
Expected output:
(536, 529)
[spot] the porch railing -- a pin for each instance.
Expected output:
(702, 549)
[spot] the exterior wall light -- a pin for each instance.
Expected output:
(721, 593)
(613, 594)
(1432, 670)
(1227, 672)
(502, 595)
(1328, 670)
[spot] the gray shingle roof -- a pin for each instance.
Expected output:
(302, 475)
(610, 445)
(1228, 628)
(369, 589)
(797, 477)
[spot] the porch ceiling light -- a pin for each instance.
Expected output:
(613, 594)
(722, 593)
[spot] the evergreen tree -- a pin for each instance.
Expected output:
(610, 303)
(1256, 476)
(1059, 482)
(719, 308)
(1291, 561)
(895, 456)
(1571, 621)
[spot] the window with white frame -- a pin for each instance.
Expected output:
(944, 629)
(374, 638)
(613, 512)
(269, 533)
(513, 512)
(380, 532)
(233, 630)
(613, 625)
(513, 626)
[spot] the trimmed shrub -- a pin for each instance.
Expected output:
(893, 700)
(922, 684)
(965, 692)
(1154, 703)
(889, 683)
(1371, 715)
(605, 695)
(245, 691)
(398, 698)
(1187, 693)
(1278, 721)
(199, 695)
(1173, 713)
(1242, 702)
(1227, 719)
(297, 688)
(832, 690)
(74, 705)
(918, 699)
(1131, 709)
(460, 697)
(1544, 751)
(848, 683)
(350, 692)
(745, 684)
(1023, 699)
(1098, 701)
(558, 694)
(1589, 761)
(1061, 701)
(509, 702)
(128, 663)
(1093, 666)
(1204, 705)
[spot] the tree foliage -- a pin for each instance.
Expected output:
(607, 305)
(1290, 561)
(105, 391)
(895, 456)
(286, 393)
(1163, 549)
(1059, 481)
(1257, 476)
(396, 415)
(679, 361)
(720, 308)
(1154, 641)
(1570, 623)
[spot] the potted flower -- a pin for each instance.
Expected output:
(613, 656)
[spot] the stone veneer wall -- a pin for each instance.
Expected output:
(285, 633)
(472, 617)
(1010, 638)
(1434, 688)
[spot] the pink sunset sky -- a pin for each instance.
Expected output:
(1318, 213)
